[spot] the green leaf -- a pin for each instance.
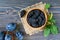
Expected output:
(54, 29)
(50, 16)
(52, 21)
(47, 6)
(46, 32)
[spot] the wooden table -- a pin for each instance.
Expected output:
(9, 9)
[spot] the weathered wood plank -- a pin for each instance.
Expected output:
(24, 3)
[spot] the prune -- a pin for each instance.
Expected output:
(19, 35)
(39, 18)
(23, 12)
(32, 20)
(36, 18)
(37, 12)
(31, 15)
(8, 37)
(43, 21)
(39, 21)
(43, 17)
(35, 25)
(11, 26)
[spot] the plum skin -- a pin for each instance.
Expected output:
(11, 27)
(19, 35)
(8, 37)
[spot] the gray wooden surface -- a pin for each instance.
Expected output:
(8, 13)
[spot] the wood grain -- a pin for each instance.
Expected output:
(8, 9)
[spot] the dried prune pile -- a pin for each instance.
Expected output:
(36, 18)
(23, 12)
